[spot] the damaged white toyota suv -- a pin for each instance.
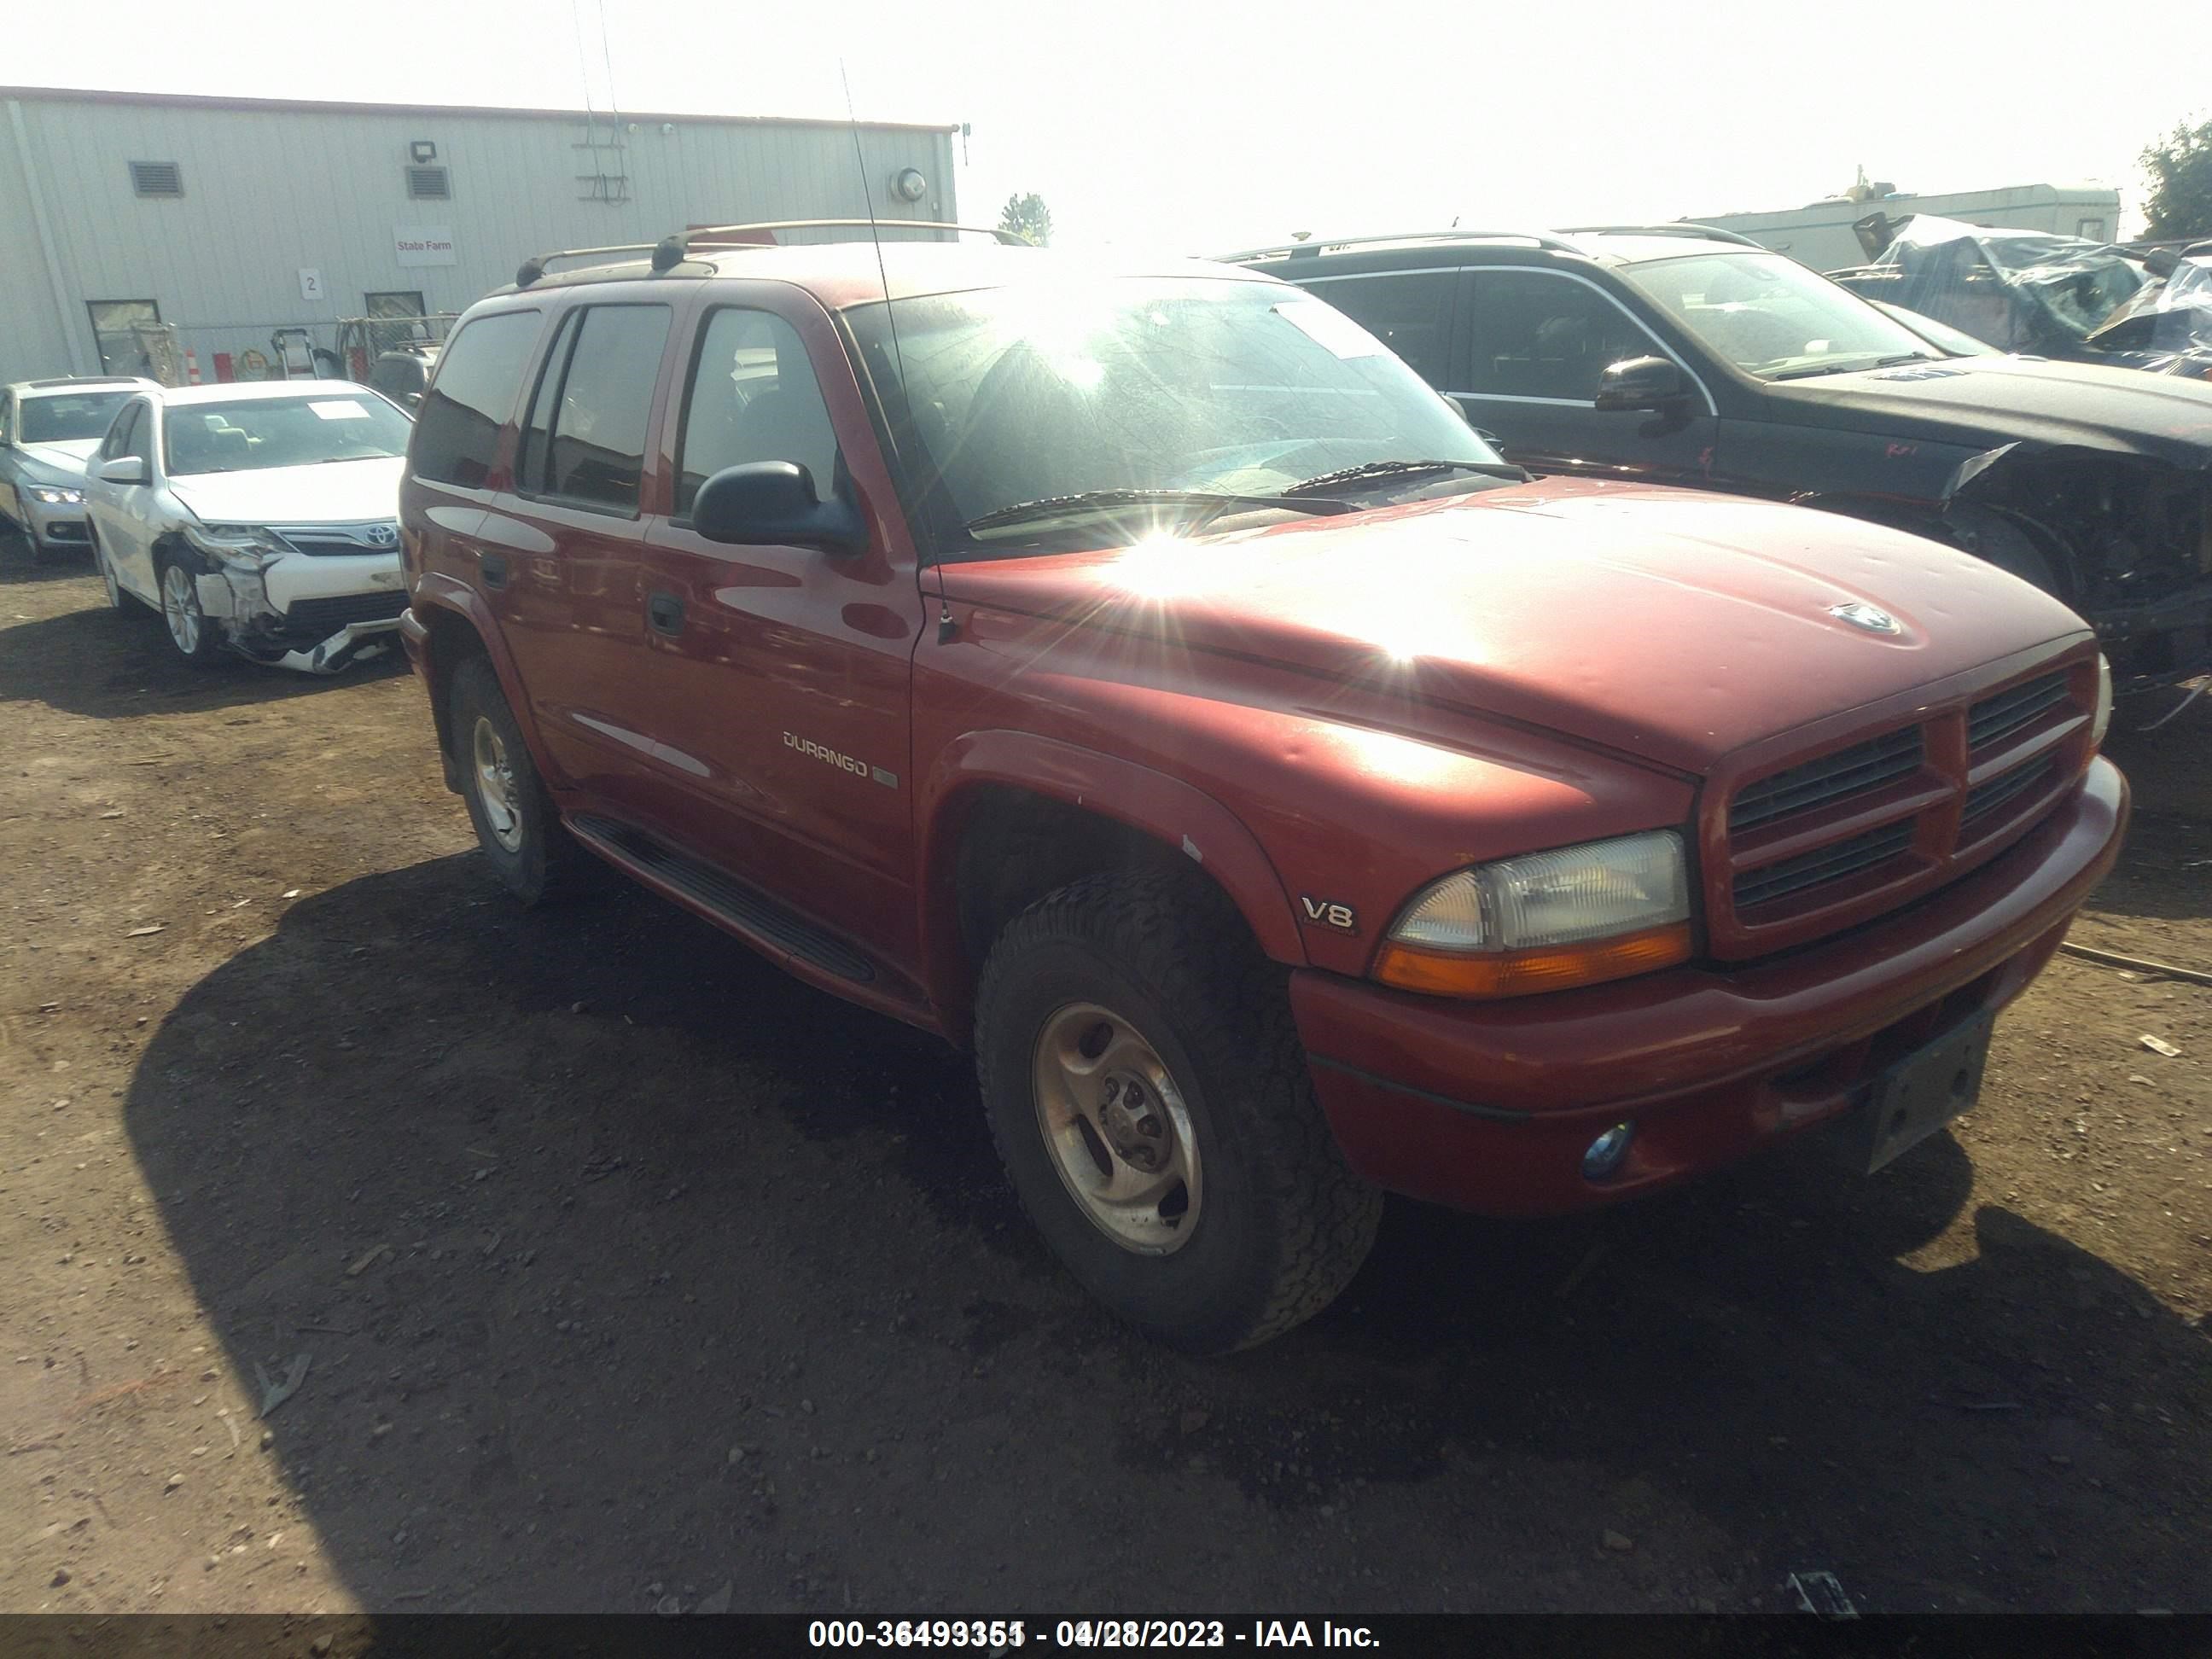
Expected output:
(259, 520)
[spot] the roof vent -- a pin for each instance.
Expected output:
(429, 184)
(157, 179)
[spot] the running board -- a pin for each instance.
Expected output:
(744, 907)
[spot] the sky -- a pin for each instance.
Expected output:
(1201, 127)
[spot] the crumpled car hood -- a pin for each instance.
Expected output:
(1983, 402)
(1671, 625)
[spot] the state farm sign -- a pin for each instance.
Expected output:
(423, 245)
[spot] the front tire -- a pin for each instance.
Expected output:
(190, 628)
(1150, 1100)
(516, 822)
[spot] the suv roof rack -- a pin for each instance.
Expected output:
(671, 251)
(1673, 227)
(1311, 248)
(85, 380)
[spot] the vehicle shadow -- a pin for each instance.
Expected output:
(103, 664)
(629, 1267)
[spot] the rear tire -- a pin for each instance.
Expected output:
(1150, 1099)
(516, 822)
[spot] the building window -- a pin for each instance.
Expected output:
(2092, 228)
(126, 331)
(157, 179)
(429, 184)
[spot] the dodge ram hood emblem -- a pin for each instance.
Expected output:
(1868, 616)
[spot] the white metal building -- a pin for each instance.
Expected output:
(1821, 236)
(228, 219)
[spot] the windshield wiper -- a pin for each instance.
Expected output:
(1851, 366)
(1367, 470)
(1212, 503)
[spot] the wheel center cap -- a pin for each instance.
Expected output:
(1133, 1123)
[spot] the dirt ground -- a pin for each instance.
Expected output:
(626, 1272)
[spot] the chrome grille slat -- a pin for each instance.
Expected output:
(1996, 718)
(1826, 863)
(1862, 768)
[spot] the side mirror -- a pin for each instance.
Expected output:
(124, 469)
(774, 502)
(1650, 383)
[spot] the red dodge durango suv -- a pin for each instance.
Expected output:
(1142, 677)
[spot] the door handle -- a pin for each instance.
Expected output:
(494, 566)
(666, 613)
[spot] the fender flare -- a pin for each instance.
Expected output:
(1177, 815)
(439, 592)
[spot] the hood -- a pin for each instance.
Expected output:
(61, 463)
(1984, 402)
(334, 492)
(1666, 624)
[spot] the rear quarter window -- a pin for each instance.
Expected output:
(479, 378)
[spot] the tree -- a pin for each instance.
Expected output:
(2180, 172)
(1028, 217)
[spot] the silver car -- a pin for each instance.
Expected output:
(48, 429)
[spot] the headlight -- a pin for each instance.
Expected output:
(2103, 718)
(1545, 921)
(54, 498)
(246, 545)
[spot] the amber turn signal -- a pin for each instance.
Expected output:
(1520, 973)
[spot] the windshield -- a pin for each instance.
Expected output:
(1019, 395)
(253, 435)
(70, 416)
(1771, 316)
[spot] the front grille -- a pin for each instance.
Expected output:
(1827, 864)
(1996, 718)
(1985, 798)
(332, 541)
(320, 618)
(1855, 770)
(1893, 812)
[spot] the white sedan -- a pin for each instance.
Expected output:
(260, 519)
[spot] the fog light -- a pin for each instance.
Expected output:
(1607, 1152)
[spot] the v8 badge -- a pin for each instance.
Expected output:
(1326, 912)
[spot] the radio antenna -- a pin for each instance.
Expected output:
(876, 235)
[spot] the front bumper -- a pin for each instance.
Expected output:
(311, 613)
(1489, 1106)
(57, 525)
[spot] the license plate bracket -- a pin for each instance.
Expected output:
(1920, 1093)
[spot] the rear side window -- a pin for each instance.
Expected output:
(456, 431)
(585, 438)
(753, 398)
(1536, 334)
(1412, 315)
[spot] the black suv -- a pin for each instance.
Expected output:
(1676, 354)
